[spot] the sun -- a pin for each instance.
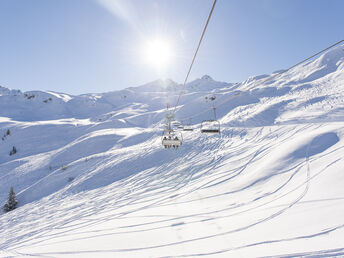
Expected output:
(157, 53)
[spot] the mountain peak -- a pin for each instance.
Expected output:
(207, 78)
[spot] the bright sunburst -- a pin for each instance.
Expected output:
(157, 53)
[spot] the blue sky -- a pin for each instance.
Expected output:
(82, 46)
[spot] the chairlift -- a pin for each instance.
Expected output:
(210, 126)
(188, 126)
(175, 123)
(171, 139)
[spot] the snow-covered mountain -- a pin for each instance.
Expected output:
(92, 178)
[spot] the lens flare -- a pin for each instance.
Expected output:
(157, 53)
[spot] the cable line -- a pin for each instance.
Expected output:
(314, 55)
(236, 94)
(301, 62)
(194, 57)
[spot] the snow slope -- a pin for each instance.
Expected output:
(92, 178)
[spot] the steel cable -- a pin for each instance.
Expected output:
(194, 57)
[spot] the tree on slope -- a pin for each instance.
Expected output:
(11, 202)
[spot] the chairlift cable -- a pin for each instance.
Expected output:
(194, 57)
(314, 55)
(301, 62)
(267, 79)
(247, 91)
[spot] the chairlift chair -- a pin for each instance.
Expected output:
(175, 123)
(210, 126)
(171, 139)
(187, 128)
(213, 125)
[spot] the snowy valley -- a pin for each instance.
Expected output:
(93, 180)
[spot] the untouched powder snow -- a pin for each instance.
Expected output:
(93, 180)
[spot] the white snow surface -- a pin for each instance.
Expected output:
(93, 180)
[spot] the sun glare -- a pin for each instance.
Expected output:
(157, 53)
